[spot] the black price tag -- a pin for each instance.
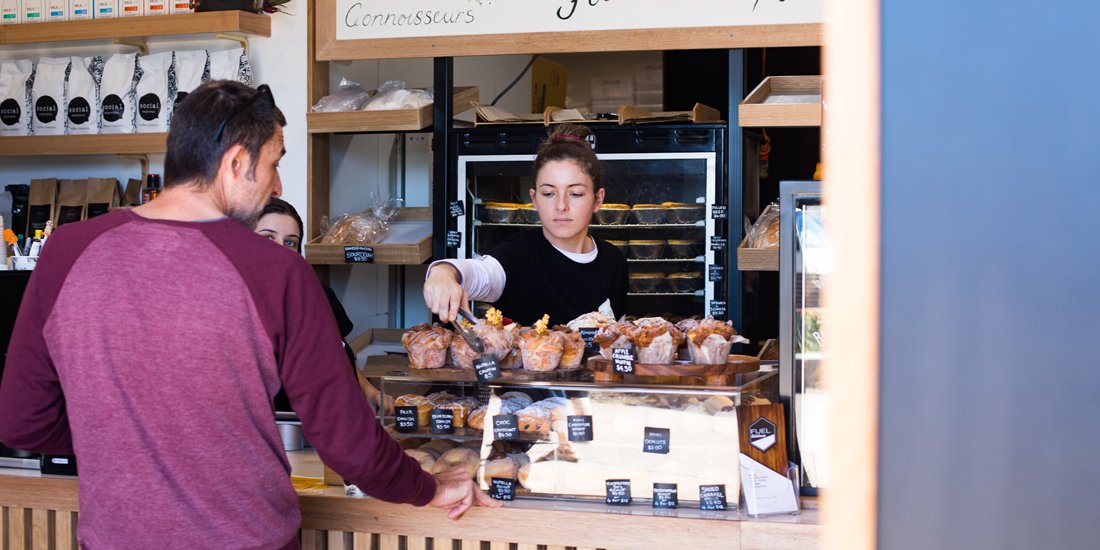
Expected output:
(716, 273)
(502, 489)
(712, 497)
(717, 308)
(718, 212)
(486, 369)
(358, 255)
(622, 360)
(717, 243)
(580, 428)
(589, 336)
(506, 427)
(405, 419)
(443, 421)
(457, 208)
(656, 440)
(664, 495)
(618, 492)
(454, 239)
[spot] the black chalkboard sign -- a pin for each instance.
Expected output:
(502, 488)
(456, 208)
(589, 335)
(712, 497)
(454, 239)
(506, 427)
(486, 369)
(580, 427)
(718, 212)
(717, 308)
(358, 255)
(717, 243)
(656, 440)
(443, 421)
(618, 492)
(716, 273)
(664, 495)
(405, 419)
(622, 359)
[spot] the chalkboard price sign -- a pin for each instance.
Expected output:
(580, 427)
(457, 208)
(712, 497)
(443, 421)
(618, 492)
(358, 255)
(405, 419)
(656, 440)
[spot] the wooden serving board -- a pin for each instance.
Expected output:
(447, 374)
(714, 375)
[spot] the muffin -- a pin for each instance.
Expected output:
(612, 214)
(649, 214)
(542, 348)
(646, 249)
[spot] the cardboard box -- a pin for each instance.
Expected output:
(155, 7)
(131, 8)
(80, 9)
(34, 11)
(57, 10)
(548, 83)
(105, 9)
(11, 12)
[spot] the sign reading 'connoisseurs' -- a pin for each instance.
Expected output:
(370, 19)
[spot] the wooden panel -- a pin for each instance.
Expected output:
(339, 540)
(389, 542)
(156, 25)
(40, 528)
(313, 539)
(399, 120)
(361, 541)
(19, 527)
(469, 545)
(778, 536)
(782, 101)
(38, 492)
(103, 144)
(498, 545)
(65, 530)
(758, 259)
(418, 543)
(527, 546)
(398, 251)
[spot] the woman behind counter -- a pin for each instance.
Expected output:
(280, 222)
(558, 269)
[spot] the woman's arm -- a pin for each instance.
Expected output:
(450, 284)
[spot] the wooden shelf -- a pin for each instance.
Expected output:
(406, 243)
(99, 144)
(782, 101)
(131, 27)
(400, 120)
(757, 259)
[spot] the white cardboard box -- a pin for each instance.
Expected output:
(155, 7)
(34, 11)
(57, 10)
(105, 9)
(131, 8)
(11, 12)
(180, 6)
(80, 9)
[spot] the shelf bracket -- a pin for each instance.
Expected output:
(243, 41)
(142, 159)
(141, 45)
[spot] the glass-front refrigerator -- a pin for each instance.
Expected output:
(664, 188)
(806, 261)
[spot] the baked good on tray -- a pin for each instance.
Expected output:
(476, 418)
(573, 351)
(710, 340)
(427, 345)
(497, 338)
(423, 407)
(459, 457)
(656, 340)
(615, 335)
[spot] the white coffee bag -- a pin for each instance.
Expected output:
(57, 10)
(11, 12)
(131, 8)
(231, 64)
(181, 6)
(48, 96)
(155, 7)
(15, 97)
(191, 67)
(83, 108)
(116, 90)
(105, 9)
(80, 9)
(154, 104)
(34, 11)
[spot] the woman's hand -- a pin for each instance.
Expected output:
(455, 492)
(443, 294)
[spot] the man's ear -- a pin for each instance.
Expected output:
(235, 163)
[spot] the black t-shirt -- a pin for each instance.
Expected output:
(541, 280)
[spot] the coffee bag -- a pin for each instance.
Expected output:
(43, 202)
(120, 74)
(191, 69)
(20, 193)
(231, 64)
(152, 92)
(133, 193)
(48, 95)
(82, 109)
(11, 12)
(103, 195)
(34, 11)
(16, 78)
(70, 201)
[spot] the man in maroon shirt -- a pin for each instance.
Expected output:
(151, 342)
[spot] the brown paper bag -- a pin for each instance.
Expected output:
(103, 195)
(43, 202)
(70, 201)
(133, 193)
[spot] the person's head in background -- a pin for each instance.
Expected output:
(280, 222)
(568, 187)
(226, 141)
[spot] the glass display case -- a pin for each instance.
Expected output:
(805, 263)
(579, 441)
(661, 185)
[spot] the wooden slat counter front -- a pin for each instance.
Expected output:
(40, 512)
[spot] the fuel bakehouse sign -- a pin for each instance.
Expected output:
(371, 19)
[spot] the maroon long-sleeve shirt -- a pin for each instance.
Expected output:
(153, 350)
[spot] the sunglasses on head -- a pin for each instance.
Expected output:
(263, 91)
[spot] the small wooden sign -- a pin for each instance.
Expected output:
(763, 435)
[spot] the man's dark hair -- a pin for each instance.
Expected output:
(193, 152)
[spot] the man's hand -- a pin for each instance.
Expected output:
(443, 294)
(455, 492)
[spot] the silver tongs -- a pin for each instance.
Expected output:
(468, 335)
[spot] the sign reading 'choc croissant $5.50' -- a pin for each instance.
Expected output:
(371, 19)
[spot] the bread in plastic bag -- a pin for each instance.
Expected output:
(393, 95)
(765, 232)
(350, 96)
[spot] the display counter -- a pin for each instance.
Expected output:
(41, 511)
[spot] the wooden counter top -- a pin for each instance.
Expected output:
(35, 504)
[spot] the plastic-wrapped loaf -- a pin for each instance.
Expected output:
(427, 345)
